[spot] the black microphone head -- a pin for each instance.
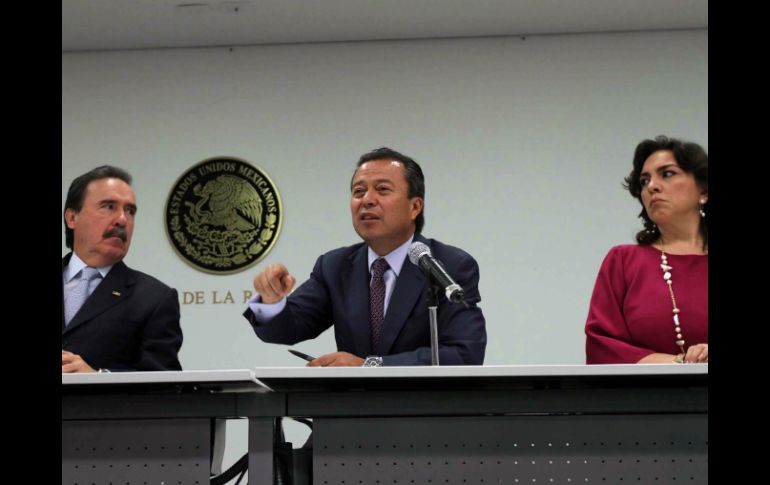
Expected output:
(457, 295)
(418, 250)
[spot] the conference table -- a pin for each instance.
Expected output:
(396, 425)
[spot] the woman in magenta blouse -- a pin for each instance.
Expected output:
(650, 300)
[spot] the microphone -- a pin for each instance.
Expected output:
(419, 255)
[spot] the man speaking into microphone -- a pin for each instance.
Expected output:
(371, 292)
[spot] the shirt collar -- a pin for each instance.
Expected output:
(394, 258)
(76, 265)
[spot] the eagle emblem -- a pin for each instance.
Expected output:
(223, 215)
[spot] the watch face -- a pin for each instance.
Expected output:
(373, 361)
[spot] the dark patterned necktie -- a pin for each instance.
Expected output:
(377, 299)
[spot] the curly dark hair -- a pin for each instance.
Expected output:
(414, 177)
(691, 158)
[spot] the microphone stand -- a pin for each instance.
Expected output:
(432, 292)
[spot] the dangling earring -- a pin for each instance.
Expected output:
(652, 229)
(700, 209)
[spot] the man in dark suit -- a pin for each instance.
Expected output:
(387, 197)
(114, 318)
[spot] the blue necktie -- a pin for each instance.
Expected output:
(79, 294)
(377, 299)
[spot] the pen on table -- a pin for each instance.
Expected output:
(301, 355)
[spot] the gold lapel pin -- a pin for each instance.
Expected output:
(116, 293)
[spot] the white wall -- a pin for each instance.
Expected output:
(524, 144)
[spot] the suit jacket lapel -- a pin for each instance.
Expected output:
(355, 279)
(114, 289)
(410, 285)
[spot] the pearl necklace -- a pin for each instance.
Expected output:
(667, 278)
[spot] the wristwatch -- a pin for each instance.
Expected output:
(372, 361)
